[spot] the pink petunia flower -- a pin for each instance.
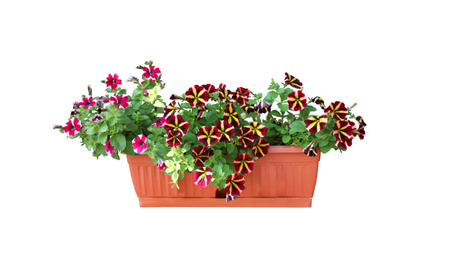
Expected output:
(139, 144)
(87, 102)
(120, 101)
(72, 126)
(113, 81)
(151, 72)
(159, 122)
(109, 148)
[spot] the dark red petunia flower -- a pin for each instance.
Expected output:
(170, 110)
(343, 131)
(248, 108)
(197, 96)
(319, 101)
(360, 120)
(120, 101)
(234, 184)
(337, 110)
(151, 72)
(224, 94)
(310, 150)
(87, 102)
(208, 135)
(113, 81)
(200, 112)
(361, 131)
(243, 164)
(175, 97)
(209, 88)
(225, 130)
(245, 136)
(177, 124)
(241, 95)
(202, 176)
(159, 122)
(315, 123)
(263, 107)
(258, 130)
(261, 148)
(292, 81)
(231, 116)
(297, 100)
(344, 144)
(201, 154)
(72, 126)
(174, 138)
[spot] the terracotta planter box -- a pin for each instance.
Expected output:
(285, 177)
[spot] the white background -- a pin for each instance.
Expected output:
(387, 197)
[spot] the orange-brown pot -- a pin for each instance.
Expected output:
(285, 177)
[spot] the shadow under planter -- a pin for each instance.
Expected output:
(285, 177)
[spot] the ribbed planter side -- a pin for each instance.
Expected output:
(285, 177)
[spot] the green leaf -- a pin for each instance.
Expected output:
(103, 138)
(298, 126)
(286, 138)
(276, 113)
(230, 148)
(270, 97)
(118, 141)
(103, 127)
(311, 108)
(283, 107)
(92, 130)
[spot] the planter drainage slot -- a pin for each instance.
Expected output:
(220, 194)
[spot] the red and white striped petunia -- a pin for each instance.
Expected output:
(197, 96)
(202, 176)
(297, 100)
(337, 110)
(208, 135)
(139, 144)
(225, 130)
(72, 126)
(315, 123)
(243, 164)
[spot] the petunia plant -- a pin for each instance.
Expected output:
(214, 134)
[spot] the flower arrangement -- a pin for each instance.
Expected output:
(215, 134)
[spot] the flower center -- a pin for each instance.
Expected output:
(113, 81)
(141, 143)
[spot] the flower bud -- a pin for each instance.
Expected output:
(139, 67)
(89, 90)
(133, 79)
(57, 126)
